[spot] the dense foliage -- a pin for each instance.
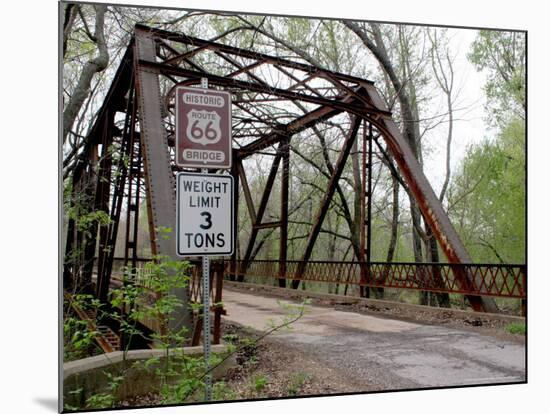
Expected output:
(488, 200)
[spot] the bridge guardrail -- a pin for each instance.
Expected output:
(500, 280)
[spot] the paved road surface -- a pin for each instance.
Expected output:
(386, 353)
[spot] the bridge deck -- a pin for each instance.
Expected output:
(385, 353)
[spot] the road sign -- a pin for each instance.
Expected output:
(203, 128)
(204, 219)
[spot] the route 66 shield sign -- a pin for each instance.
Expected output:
(203, 127)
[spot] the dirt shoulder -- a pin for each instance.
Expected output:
(273, 369)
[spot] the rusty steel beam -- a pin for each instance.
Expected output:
(101, 201)
(283, 232)
(268, 225)
(161, 197)
(363, 291)
(115, 97)
(300, 124)
(235, 173)
(86, 261)
(183, 56)
(369, 194)
(190, 40)
(261, 209)
(116, 203)
(114, 101)
(323, 209)
(428, 202)
(176, 53)
(328, 107)
(73, 240)
(243, 69)
(246, 191)
(354, 107)
(135, 171)
(300, 82)
(275, 125)
(366, 209)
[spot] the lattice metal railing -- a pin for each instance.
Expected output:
(502, 280)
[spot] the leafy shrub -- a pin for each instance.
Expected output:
(516, 328)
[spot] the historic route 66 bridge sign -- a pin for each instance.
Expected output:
(203, 128)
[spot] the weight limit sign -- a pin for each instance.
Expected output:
(204, 217)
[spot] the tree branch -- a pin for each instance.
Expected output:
(98, 64)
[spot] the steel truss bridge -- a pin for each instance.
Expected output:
(137, 120)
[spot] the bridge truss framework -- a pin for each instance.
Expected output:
(136, 118)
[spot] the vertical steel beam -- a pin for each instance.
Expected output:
(261, 210)
(366, 209)
(104, 185)
(235, 172)
(363, 290)
(133, 206)
(218, 307)
(368, 192)
(246, 191)
(369, 201)
(104, 278)
(101, 199)
(325, 204)
(85, 238)
(71, 262)
(160, 181)
(283, 235)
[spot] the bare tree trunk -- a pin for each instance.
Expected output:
(409, 111)
(98, 64)
(330, 257)
(394, 220)
(71, 11)
(445, 79)
(408, 75)
(352, 224)
(406, 95)
(441, 299)
(358, 223)
(379, 51)
(379, 292)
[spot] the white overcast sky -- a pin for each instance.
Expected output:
(470, 126)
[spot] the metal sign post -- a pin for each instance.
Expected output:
(206, 326)
(206, 306)
(204, 217)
